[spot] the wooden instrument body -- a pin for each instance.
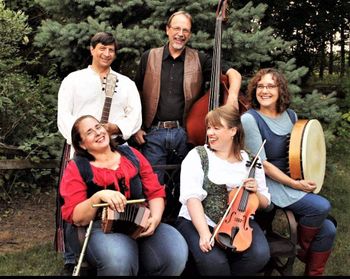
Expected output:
(132, 221)
(307, 152)
(195, 122)
(218, 93)
(235, 232)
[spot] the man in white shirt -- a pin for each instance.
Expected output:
(84, 92)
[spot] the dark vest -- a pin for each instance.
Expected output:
(151, 84)
(276, 146)
(216, 201)
(86, 173)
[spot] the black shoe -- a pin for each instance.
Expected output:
(67, 269)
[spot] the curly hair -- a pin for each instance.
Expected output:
(284, 98)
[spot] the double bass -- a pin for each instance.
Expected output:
(217, 95)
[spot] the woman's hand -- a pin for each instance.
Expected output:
(307, 186)
(250, 184)
(204, 242)
(115, 199)
(152, 224)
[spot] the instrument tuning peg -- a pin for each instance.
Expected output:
(258, 165)
(248, 164)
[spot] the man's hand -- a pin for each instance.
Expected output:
(139, 137)
(111, 128)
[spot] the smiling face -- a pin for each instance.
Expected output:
(103, 55)
(267, 92)
(220, 136)
(94, 136)
(179, 32)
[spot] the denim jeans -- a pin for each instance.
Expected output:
(312, 211)
(71, 244)
(220, 262)
(165, 146)
(117, 254)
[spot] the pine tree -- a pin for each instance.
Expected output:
(139, 25)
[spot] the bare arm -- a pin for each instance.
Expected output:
(156, 206)
(276, 174)
(195, 209)
(84, 212)
(235, 80)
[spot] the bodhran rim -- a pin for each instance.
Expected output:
(314, 153)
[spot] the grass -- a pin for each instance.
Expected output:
(43, 260)
(40, 260)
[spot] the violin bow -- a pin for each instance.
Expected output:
(235, 196)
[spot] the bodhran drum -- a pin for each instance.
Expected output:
(307, 152)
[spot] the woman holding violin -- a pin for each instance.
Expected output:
(209, 174)
(271, 119)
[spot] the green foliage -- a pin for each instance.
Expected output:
(247, 44)
(320, 107)
(140, 25)
(13, 33)
(27, 105)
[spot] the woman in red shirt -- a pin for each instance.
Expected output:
(160, 249)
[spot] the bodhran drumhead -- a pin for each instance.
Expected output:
(307, 152)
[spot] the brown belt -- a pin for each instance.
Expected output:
(168, 124)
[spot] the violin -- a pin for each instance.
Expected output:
(233, 231)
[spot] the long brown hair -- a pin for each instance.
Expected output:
(232, 117)
(284, 97)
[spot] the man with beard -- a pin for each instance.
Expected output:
(170, 79)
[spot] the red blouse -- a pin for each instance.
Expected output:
(74, 190)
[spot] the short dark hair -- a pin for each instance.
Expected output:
(105, 38)
(284, 98)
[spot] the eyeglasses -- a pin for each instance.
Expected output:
(94, 131)
(268, 87)
(178, 29)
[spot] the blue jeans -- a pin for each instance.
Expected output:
(117, 254)
(71, 244)
(312, 211)
(165, 146)
(220, 262)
